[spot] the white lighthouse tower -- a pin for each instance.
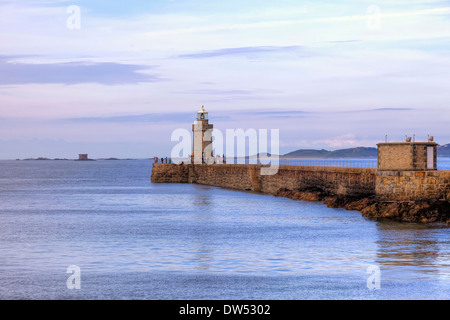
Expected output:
(202, 138)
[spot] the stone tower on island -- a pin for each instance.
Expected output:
(83, 157)
(202, 138)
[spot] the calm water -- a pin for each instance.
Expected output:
(135, 240)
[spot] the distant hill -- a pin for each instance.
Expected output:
(306, 153)
(360, 152)
(444, 151)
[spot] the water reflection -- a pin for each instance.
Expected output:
(178, 240)
(413, 245)
(203, 219)
(204, 258)
(203, 196)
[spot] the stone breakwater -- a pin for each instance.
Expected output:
(400, 195)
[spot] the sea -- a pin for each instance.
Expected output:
(100, 230)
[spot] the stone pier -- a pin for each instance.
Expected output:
(405, 187)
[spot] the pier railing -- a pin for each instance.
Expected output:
(351, 163)
(330, 163)
(443, 164)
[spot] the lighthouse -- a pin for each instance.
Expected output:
(202, 138)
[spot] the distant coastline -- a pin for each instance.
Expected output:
(355, 153)
(65, 159)
(443, 151)
(350, 153)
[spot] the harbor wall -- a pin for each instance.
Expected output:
(414, 196)
(353, 182)
(410, 186)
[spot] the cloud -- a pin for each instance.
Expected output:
(218, 92)
(287, 113)
(281, 114)
(346, 140)
(151, 117)
(392, 109)
(376, 110)
(173, 117)
(248, 52)
(107, 73)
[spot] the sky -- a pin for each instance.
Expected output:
(115, 79)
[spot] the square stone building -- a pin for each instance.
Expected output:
(407, 156)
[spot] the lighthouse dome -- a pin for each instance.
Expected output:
(202, 110)
(202, 114)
